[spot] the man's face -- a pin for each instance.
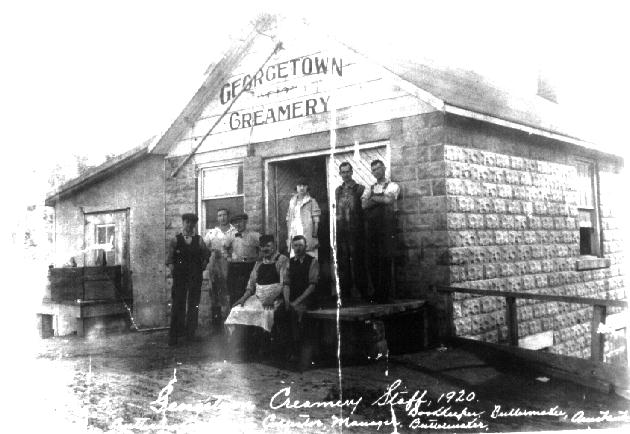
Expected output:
(346, 173)
(188, 226)
(378, 170)
(299, 247)
(222, 217)
(268, 249)
(241, 225)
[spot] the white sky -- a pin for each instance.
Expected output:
(93, 78)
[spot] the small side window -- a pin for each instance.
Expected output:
(587, 209)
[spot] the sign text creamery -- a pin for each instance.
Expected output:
(283, 76)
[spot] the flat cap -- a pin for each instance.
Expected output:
(238, 217)
(190, 217)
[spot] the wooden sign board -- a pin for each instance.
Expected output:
(294, 93)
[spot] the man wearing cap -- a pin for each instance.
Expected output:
(187, 258)
(242, 247)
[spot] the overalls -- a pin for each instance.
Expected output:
(381, 225)
(187, 278)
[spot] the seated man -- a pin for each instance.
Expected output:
(262, 296)
(299, 293)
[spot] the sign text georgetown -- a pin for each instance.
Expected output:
(280, 73)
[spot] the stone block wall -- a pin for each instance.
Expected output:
(512, 225)
(482, 207)
(417, 166)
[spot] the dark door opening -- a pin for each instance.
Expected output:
(281, 185)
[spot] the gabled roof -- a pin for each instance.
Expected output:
(456, 91)
(473, 92)
(98, 173)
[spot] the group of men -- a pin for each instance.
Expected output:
(252, 284)
(366, 223)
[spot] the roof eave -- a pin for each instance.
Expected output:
(464, 112)
(98, 174)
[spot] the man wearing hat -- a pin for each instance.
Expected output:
(243, 251)
(187, 258)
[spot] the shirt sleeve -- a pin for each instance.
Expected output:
(313, 272)
(251, 284)
(282, 265)
(170, 256)
(227, 243)
(315, 209)
(367, 191)
(392, 190)
(255, 239)
(286, 279)
(205, 252)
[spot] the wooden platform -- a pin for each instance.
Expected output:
(366, 331)
(80, 311)
(365, 311)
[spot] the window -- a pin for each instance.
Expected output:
(587, 209)
(106, 234)
(221, 187)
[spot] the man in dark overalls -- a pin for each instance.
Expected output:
(350, 235)
(380, 216)
(186, 260)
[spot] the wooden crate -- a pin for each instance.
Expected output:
(87, 283)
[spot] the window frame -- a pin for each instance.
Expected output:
(201, 169)
(595, 214)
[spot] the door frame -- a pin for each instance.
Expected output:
(325, 152)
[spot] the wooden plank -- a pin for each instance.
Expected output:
(101, 309)
(534, 296)
(365, 312)
(450, 320)
(597, 338)
(512, 320)
(600, 376)
(537, 341)
(99, 290)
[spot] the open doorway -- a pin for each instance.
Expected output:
(281, 182)
(283, 176)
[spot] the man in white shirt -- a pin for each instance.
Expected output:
(243, 251)
(379, 204)
(215, 239)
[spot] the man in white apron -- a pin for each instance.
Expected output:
(262, 297)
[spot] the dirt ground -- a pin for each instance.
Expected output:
(124, 383)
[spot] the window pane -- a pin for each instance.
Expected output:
(111, 235)
(586, 241)
(233, 204)
(586, 218)
(222, 181)
(101, 234)
(585, 185)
